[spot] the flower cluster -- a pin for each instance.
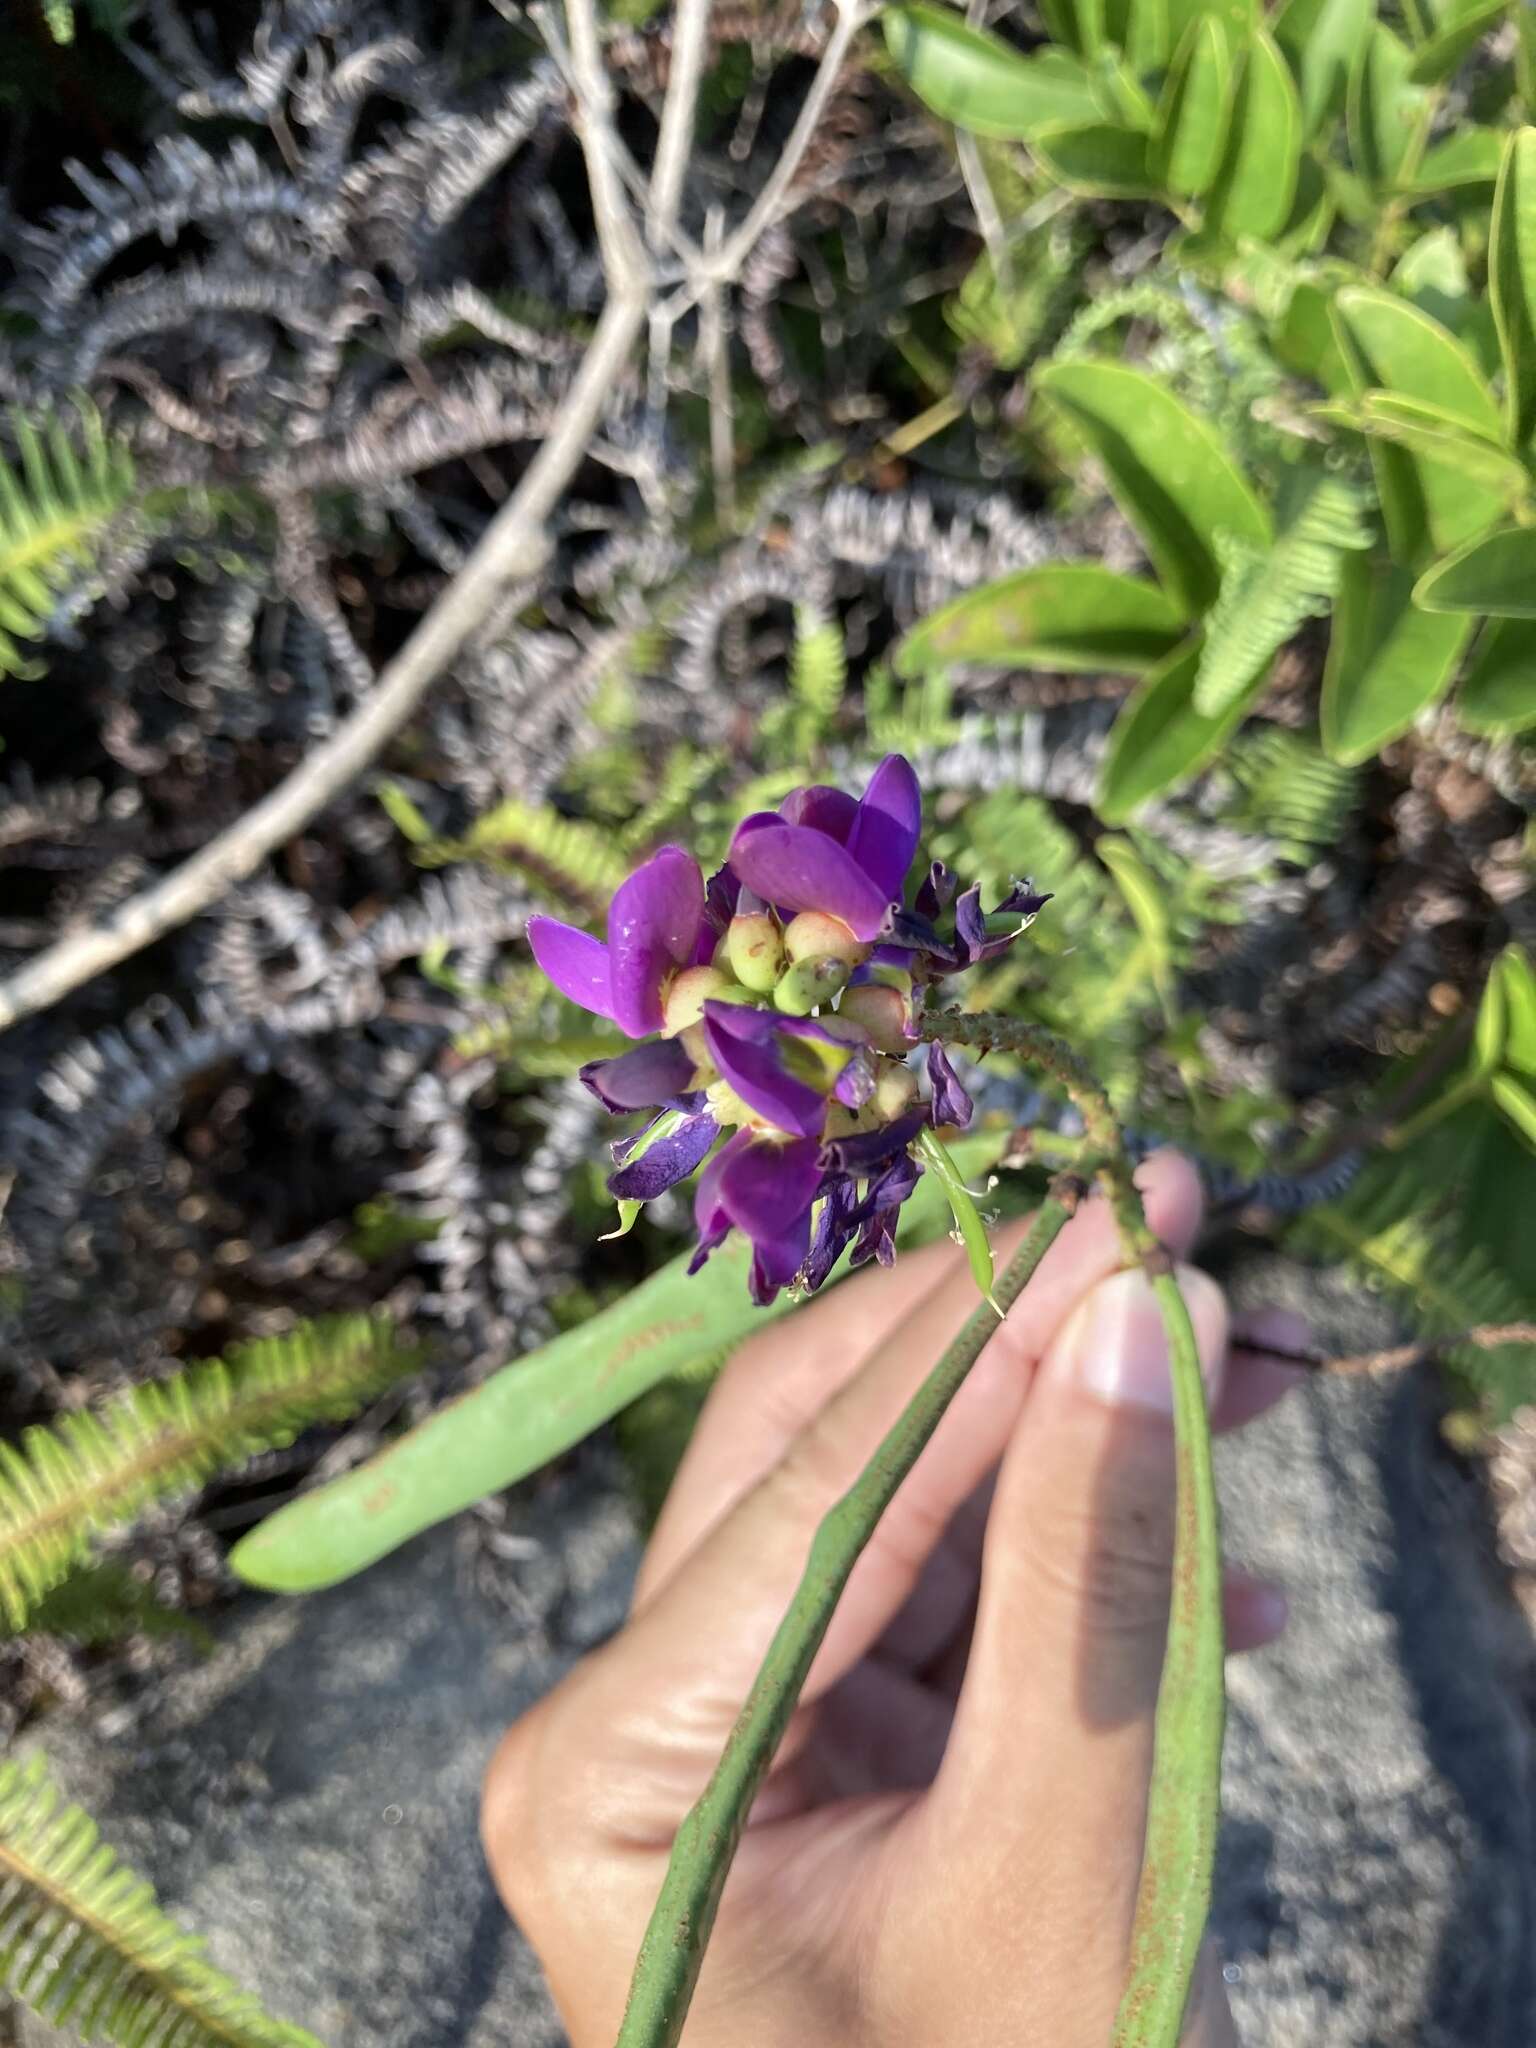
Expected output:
(779, 1002)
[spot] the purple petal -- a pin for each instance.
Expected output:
(951, 1103)
(745, 1053)
(970, 925)
(767, 1190)
(652, 1076)
(834, 1229)
(722, 900)
(885, 830)
(867, 1150)
(831, 811)
(802, 869)
(856, 1083)
(653, 926)
(936, 890)
(665, 1163)
(574, 961)
(1022, 901)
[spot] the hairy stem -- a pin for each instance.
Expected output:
(1183, 1800)
(672, 1952)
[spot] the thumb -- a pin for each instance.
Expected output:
(1051, 1752)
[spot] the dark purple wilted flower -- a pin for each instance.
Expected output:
(780, 1004)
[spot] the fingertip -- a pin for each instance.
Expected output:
(1174, 1200)
(1256, 1612)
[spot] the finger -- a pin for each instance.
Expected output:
(1255, 1612)
(1072, 1618)
(784, 1380)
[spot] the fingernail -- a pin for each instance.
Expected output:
(1273, 1329)
(1115, 1347)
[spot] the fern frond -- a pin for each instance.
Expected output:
(684, 778)
(1288, 789)
(1267, 593)
(84, 1943)
(818, 669)
(576, 864)
(98, 1467)
(53, 511)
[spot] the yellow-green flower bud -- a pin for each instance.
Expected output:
(683, 1003)
(816, 935)
(810, 983)
(895, 1092)
(882, 1012)
(755, 947)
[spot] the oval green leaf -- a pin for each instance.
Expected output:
(1170, 473)
(1256, 183)
(1498, 692)
(1518, 1104)
(1159, 738)
(1386, 111)
(1488, 1034)
(1512, 281)
(1322, 40)
(1470, 156)
(1386, 659)
(1098, 158)
(1195, 111)
(1074, 616)
(974, 79)
(1430, 431)
(1495, 575)
(1434, 61)
(1513, 967)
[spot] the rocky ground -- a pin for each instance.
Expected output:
(308, 1794)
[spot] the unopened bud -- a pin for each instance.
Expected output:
(809, 983)
(755, 947)
(881, 1011)
(816, 935)
(895, 1092)
(683, 1003)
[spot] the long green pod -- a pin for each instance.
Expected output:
(533, 1409)
(672, 1952)
(1184, 1802)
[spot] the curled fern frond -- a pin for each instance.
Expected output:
(575, 864)
(1267, 593)
(101, 1466)
(84, 1943)
(53, 512)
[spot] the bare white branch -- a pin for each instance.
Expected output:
(690, 39)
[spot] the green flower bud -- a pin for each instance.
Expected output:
(810, 983)
(683, 1003)
(815, 935)
(881, 1012)
(755, 947)
(895, 1093)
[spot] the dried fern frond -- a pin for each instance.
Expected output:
(52, 514)
(85, 1944)
(90, 1470)
(1267, 593)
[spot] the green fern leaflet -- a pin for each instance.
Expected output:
(53, 511)
(99, 1467)
(85, 1944)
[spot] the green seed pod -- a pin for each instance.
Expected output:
(755, 947)
(683, 1003)
(882, 1012)
(895, 1093)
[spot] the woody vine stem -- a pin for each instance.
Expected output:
(1174, 1893)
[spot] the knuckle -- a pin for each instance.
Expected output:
(1111, 1557)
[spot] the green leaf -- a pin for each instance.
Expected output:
(54, 513)
(1518, 1104)
(1268, 593)
(1171, 474)
(1518, 977)
(1195, 110)
(1386, 111)
(85, 1944)
(1063, 615)
(1238, 17)
(1496, 575)
(1160, 738)
(1512, 281)
(962, 1206)
(1140, 28)
(1323, 41)
(1436, 59)
(535, 1408)
(1256, 183)
(1146, 899)
(1098, 158)
(1076, 24)
(975, 79)
(1386, 659)
(402, 813)
(1429, 504)
(1488, 1034)
(1469, 156)
(1430, 432)
(1498, 692)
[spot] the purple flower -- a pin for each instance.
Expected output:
(651, 1168)
(766, 1190)
(656, 1075)
(822, 851)
(656, 926)
(756, 1053)
(951, 1104)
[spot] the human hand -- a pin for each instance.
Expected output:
(948, 1847)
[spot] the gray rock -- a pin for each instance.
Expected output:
(309, 1796)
